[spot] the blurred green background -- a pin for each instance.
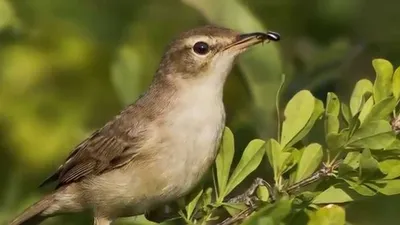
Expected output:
(66, 67)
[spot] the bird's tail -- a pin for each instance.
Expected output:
(34, 214)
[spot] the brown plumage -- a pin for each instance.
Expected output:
(157, 149)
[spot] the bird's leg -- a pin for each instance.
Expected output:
(101, 221)
(162, 213)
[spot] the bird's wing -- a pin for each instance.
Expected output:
(101, 152)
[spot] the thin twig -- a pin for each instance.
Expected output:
(325, 171)
(395, 122)
(238, 217)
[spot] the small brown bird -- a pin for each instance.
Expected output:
(157, 149)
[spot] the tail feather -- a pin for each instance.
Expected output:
(33, 215)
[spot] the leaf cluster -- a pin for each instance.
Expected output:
(359, 158)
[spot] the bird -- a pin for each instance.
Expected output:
(158, 148)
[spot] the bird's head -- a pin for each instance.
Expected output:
(208, 51)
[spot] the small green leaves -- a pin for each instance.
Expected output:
(271, 214)
(224, 160)
(360, 134)
(396, 83)
(250, 160)
(337, 141)
(332, 113)
(297, 113)
(381, 110)
(309, 161)
(361, 189)
(390, 167)
(374, 135)
(234, 208)
(328, 215)
(300, 113)
(368, 165)
(386, 187)
(334, 194)
(346, 113)
(207, 197)
(366, 109)
(383, 81)
(352, 160)
(192, 204)
(276, 157)
(362, 88)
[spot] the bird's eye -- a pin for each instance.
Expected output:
(201, 48)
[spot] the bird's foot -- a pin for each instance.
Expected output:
(249, 197)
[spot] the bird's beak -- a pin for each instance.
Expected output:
(244, 41)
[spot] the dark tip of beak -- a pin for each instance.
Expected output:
(273, 36)
(270, 35)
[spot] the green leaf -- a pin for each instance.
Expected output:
(386, 187)
(374, 135)
(346, 113)
(250, 160)
(361, 188)
(334, 194)
(309, 161)
(368, 165)
(331, 124)
(383, 81)
(390, 167)
(206, 198)
(337, 141)
(274, 151)
(328, 215)
(318, 111)
(234, 208)
(192, 204)
(352, 160)
(381, 110)
(332, 104)
(354, 124)
(362, 88)
(279, 160)
(297, 113)
(396, 83)
(262, 193)
(273, 213)
(395, 145)
(223, 161)
(287, 162)
(332, 113)
(366, 109)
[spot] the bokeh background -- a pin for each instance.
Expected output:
(66, 67)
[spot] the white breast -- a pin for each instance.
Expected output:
(196, 125)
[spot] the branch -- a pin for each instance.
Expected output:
(239, 217)
(325, 171)
(246, 197)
